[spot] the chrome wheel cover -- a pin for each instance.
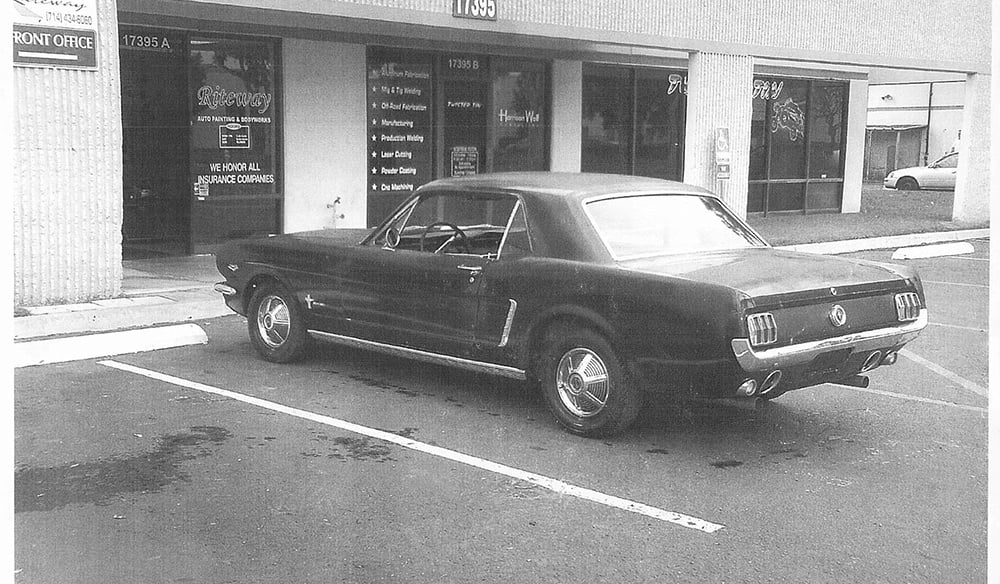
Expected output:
(273, 321)
(582, 382)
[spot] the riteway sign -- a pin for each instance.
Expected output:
(55, 33)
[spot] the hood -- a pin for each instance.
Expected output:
(765, 272)
(349, 236)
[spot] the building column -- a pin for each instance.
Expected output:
(719, 96)
(67, 183)
(567, 116)
(854, 151)
(972, 187)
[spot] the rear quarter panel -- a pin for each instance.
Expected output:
(651, 320)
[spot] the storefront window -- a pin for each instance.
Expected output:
(234, 130)
(661, 110)
(826, 130)
(200, 140)
(434, 115)
(796, 145)
(787, 128)
(633, 121)
(520, 141)
(607, 120)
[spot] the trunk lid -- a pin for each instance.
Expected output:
(779, 277)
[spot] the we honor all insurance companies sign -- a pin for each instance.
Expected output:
(55, 33)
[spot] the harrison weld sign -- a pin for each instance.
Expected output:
(55, 33)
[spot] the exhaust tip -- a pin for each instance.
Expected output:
(890, 358)
(873, 361)
(747, 388)
(770, 382)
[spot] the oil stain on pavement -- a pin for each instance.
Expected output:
(98, 483)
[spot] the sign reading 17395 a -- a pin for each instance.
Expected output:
(478, 9)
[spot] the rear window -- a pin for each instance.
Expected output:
(649, 225)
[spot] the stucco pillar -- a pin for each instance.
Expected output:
(972, 187)
(719, 96)
(67, 184)
(567, 113)
(854, 152)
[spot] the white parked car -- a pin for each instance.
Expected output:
(939, 175)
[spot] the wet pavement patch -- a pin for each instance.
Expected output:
(727, 464)
(360, 449)
(99, 483)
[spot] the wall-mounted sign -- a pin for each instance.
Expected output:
(723, 154)
(476, 9)
(55, 34)
(464, 160)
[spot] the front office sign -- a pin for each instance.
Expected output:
(55, 33)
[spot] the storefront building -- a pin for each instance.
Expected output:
(216, 121)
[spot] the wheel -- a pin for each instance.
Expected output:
(907, 184)
(584, 384)
(277, 328)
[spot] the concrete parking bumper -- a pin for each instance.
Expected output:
(161, 301)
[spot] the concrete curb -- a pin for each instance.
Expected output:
(141, 311)
(891, 241)
(61, 350)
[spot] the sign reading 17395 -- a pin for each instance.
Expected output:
(478, 9)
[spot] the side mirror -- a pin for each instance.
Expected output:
(391, 238)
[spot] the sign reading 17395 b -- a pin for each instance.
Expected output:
(478, 9)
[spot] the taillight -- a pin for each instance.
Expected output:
(763, 330)
(907, 306)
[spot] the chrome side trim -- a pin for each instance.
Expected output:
(780, 357)
(505, 335)
(425, 356)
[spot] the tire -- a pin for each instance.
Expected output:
(276, 325)
(907, 184)
(584, 384)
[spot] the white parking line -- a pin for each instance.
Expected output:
(554, 485)
(956, 284)
(960, 327)
(922, 400)
(954, 378)
(969, 258)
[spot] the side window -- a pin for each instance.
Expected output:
(948, 162)
(516, 243)
(451, 223)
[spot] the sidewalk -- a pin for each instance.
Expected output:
(167, 291)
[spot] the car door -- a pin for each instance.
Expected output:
(419, 284)
(942, 174)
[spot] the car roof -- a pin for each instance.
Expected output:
(566, 184)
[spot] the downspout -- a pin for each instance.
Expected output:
(927, 132)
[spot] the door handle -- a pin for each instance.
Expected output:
(473, 269)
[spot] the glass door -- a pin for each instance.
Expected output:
(156, 205)
(234, 179)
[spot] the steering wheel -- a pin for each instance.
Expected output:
(459, 234)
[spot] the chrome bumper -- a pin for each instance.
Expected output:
(781, 357)
(225, 289)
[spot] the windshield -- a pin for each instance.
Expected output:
(650, 225)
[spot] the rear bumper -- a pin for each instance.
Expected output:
(783, 357)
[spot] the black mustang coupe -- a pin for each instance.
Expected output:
(600, 289)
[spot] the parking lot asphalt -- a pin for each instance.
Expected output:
(204, 463)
